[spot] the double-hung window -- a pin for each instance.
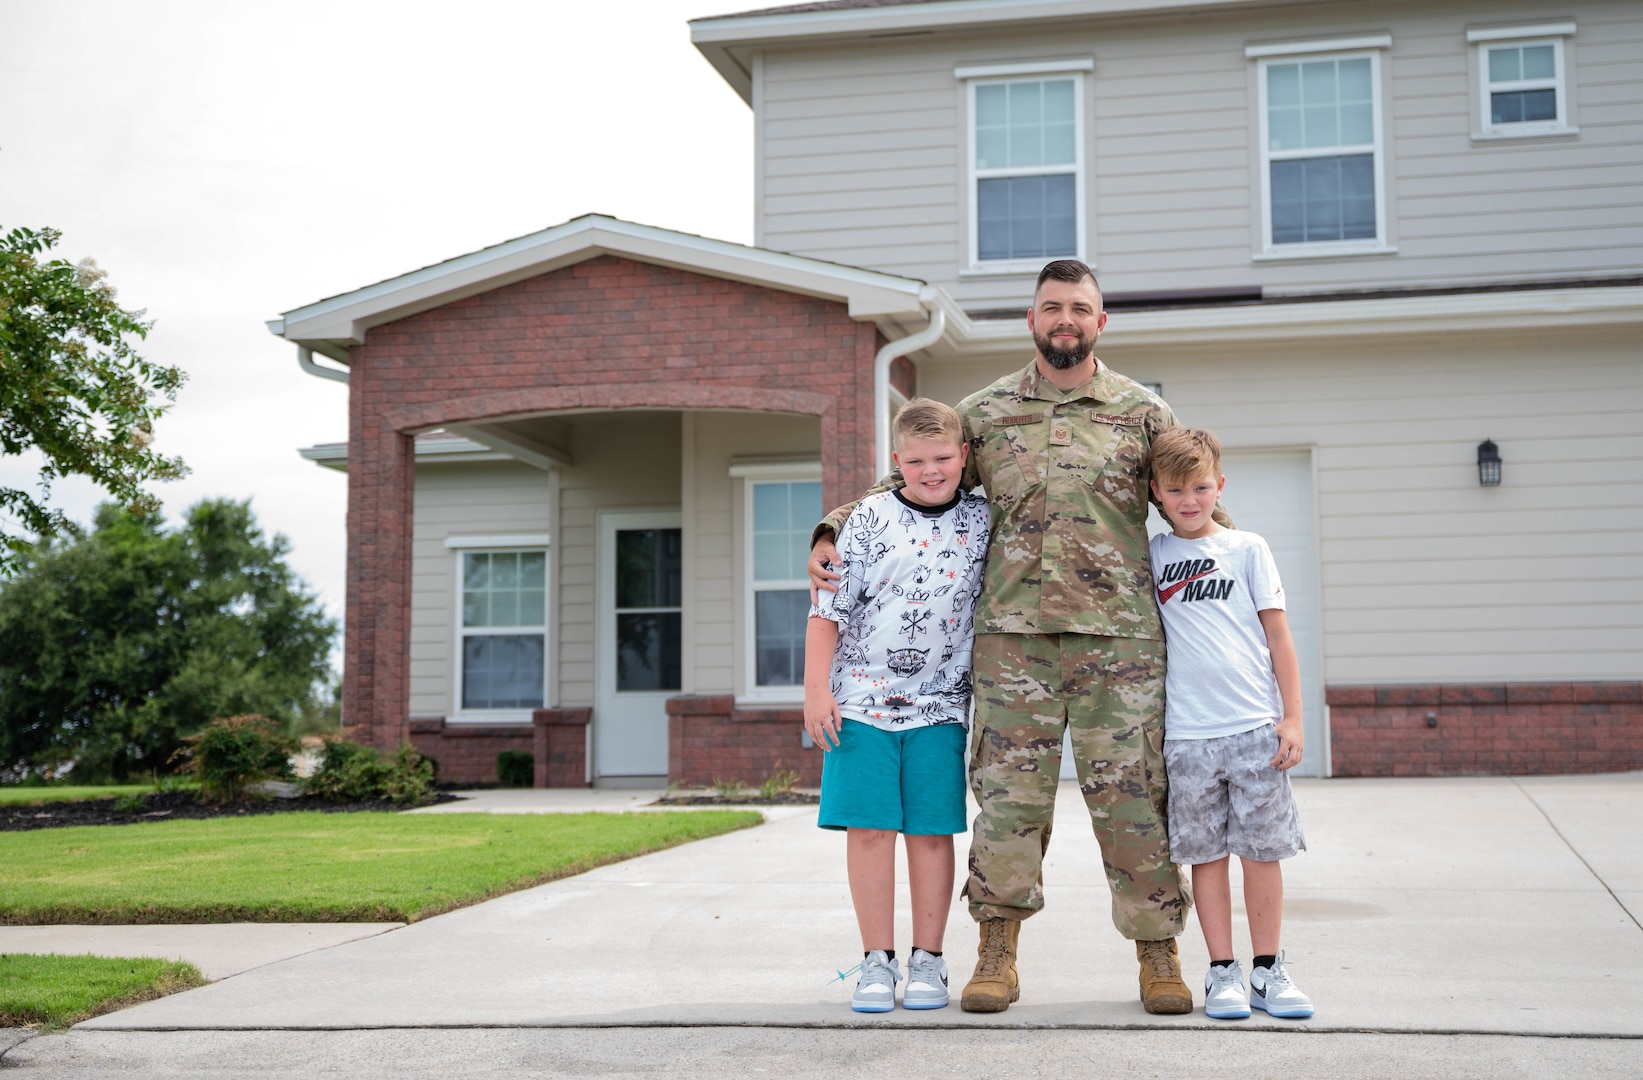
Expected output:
(1321, 167)
(1026, 163)
(1522, 87)
(502, 651)
(780, 511)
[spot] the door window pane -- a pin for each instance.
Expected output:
(647, 651)
(502, 671)
(648, 568)
(780, 617)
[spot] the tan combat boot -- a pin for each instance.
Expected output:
(1162, 990)
(995, 983)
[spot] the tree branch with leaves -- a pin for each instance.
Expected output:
(73, 387)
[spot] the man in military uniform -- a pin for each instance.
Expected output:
(1067, 639)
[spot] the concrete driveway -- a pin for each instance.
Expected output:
(1473, 909)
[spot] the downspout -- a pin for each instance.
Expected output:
(305, 360)
(881, 384)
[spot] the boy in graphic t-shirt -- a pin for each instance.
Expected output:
(1232, 722)
(887, 695)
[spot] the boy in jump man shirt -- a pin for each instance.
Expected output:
(887, 696)
(1232, 722)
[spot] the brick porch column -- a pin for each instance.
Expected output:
(376, 694)
(561, 747)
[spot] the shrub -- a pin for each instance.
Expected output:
(234, 753)
(515, 768)
(351, 772)
(778, 782)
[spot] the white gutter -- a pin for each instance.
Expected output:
(305, 360)
(881, 384)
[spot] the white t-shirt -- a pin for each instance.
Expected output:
(906, 609)
(1210, 591)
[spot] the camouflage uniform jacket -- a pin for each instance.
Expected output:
(1066, 474)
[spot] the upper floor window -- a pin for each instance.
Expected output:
(1321, 152)
(503, 651)
(1522, 86)
(1026, 164)
(780, 513)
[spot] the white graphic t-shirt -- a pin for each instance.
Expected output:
(906, 610)
(1210, 590)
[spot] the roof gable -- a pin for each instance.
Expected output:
(333, 325)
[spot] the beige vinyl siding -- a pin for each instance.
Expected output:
(481, 499)
(862, 153)
(721, 439)
(623, 461)
(1424, 575)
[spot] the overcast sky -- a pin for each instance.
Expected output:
(226, 162)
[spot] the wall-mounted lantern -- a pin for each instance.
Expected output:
(1488, 463)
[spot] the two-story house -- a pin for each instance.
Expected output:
(1392, 254)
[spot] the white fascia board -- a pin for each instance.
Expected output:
(346, 318)
(728, 42)
(938, 15)
(1521, 309)
(335, 455)
(1516, 310)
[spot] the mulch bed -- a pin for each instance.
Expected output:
(172, 806)
(784, 798)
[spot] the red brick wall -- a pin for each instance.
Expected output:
(467, 752)
(609, 333)
(1486, 728)
(710, 739)
(561, 747)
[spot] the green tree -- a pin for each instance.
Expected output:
(117, 644)
(73, 387)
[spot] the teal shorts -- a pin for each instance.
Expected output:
(911, 782)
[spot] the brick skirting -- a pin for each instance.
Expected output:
(561, 747)
(1500, 729)
(467, 752)
(709, 739)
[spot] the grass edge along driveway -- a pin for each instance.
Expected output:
(312, 867)
(56, 991)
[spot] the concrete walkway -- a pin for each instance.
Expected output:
(1471, 909)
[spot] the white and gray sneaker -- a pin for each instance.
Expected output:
(876, 988)
(1224, 996)
(1270, 989)
(926, 982)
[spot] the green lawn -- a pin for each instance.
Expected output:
(56, 991)
(30, 796)
(311, 867)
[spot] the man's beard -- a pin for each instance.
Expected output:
(1062, 359)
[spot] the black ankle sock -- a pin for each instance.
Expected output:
(1265, 961)
(932, 952)
(889, 954)
(1222, 963)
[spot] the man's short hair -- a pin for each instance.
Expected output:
(922, 418)
(1181, 454)
(1069, 270)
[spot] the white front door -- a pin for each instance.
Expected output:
(637, 648)
(1270, 493)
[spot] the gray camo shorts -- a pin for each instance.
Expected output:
(1225, 798)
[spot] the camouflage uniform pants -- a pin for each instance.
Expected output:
(1109, 692)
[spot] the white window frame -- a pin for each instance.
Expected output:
(1522, 37)
(461, 546)
(1040, 71)
(1352, 49)
(751, 475)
